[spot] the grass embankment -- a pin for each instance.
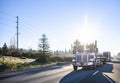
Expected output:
(8, 63)
(118, 58)
(13, 63)
(14, 60)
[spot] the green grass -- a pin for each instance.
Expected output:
(38, 65)
(12, 64)
(8, 64)
(14, 60)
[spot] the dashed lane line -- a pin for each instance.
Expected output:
(95, 72)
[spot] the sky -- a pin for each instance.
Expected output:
(63, 21)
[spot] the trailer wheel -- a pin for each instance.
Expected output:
(75, 67)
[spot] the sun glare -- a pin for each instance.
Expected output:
(86, 32)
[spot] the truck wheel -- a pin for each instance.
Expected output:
(75, 67)
(94, 65)
(85, 68)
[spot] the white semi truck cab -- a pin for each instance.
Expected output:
(85, 60)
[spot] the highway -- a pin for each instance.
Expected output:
(108, 73)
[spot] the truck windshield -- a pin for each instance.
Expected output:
(91, 57)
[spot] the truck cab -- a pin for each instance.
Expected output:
(85, 60)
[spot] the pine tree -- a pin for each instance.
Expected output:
(44, 49)
(77, 47)
(43, 44)
(4, 49)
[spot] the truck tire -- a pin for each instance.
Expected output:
(74, 67)
(94, 66)
(85, 67)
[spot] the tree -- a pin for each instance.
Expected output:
(12, 44)
(11, 49)
(43, 44)
(90, 47)
(0, 50)
(77, 47)
(5, 49)
(44, 49)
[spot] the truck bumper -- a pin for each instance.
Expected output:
(83, 64)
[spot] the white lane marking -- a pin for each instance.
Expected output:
(108, 78)
(95, 72)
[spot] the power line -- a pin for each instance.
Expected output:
(3, 13)
(8, 19)
(7, 24)
(13, 16)
(5, 18)
(28, 27)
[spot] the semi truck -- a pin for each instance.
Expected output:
(85, 60)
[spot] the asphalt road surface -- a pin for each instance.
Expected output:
(108, 73)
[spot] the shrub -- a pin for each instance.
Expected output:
(12, 67)
(3, 67)
(43, 58)
(56, 58)
(68, 59)
(20, 66)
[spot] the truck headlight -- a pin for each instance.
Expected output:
(73, 60)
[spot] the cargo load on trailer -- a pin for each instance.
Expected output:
(107, 55)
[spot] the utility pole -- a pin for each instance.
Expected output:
(17, 32)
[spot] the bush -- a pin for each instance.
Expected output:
(43, 58)
(56, 58)
(12, 67)
(20, 66)
(7, 67)
(68, 59)
(3, 67)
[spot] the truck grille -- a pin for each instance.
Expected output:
(81, 58)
